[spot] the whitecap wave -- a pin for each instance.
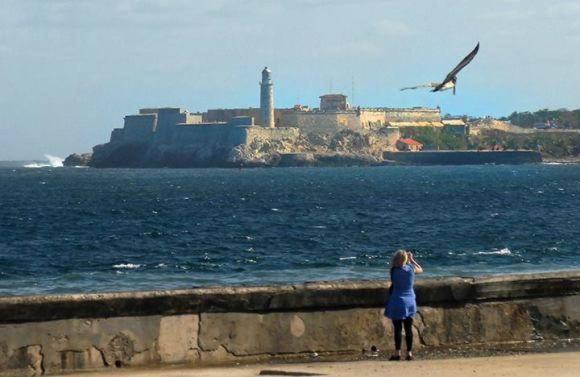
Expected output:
(346, 258)
(504, 251)
(36, 165)
(126, 265)
(51, 162)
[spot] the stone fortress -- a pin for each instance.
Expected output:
(334, 133)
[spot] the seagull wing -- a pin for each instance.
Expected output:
(466, 60)
(429, 85)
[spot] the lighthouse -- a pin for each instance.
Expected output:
(267, 98)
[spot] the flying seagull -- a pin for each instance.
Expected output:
(450, 80)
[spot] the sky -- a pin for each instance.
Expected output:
(71, 69)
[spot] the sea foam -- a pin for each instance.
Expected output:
(504, 251)
(51, 162)
(126, 265)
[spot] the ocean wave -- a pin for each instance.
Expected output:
(52, 162)
(504, 251)
(36, 165)
(126, 265)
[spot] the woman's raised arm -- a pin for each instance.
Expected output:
(416, 266)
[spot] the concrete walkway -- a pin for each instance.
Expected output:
(530, 365)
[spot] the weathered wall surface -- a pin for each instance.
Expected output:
(413, 115)
(320, 122)
(370, 119)
(225, 115)
(55, 334)
(139, 128)
(330, 121)
(356, 120)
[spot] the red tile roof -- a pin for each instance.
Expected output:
(410, 142)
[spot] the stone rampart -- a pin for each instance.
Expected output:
(225, 115)
(413, 115)
(139, 128)
(63, 333)
(321, 122)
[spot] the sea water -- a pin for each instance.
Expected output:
(86, 230)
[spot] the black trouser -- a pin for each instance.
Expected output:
(398, 324)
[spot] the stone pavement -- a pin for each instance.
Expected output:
(562, 364)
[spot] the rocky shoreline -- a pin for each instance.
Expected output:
(325, 159)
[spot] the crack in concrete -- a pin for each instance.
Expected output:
(419, 332)
(199, 346)
(228, 350)
(102, 353)
(42, 370)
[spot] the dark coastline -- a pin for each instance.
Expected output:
(463, 157)
(447, 157)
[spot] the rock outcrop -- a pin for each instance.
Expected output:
(76, 159)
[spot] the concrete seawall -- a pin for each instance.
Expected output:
(463, 157)
(56, 334)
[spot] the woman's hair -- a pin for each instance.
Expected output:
(400, 259)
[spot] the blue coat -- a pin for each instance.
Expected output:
(402, 302)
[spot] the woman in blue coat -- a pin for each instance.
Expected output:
(402, 305)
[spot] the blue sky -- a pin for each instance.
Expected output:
(71, 69)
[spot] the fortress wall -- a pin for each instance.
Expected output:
(196, 146)
(167, 120)
(222, 325)
(139, 128)
(412, 115)
(329, 122)
(193, 118)
(220, 136)
(116, 135)
(225, 115)
(372, 119)
(320, 122)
